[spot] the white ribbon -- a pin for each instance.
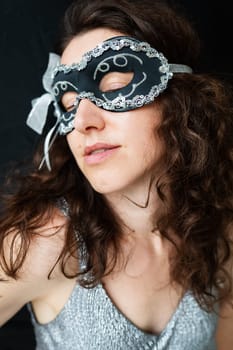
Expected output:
(50, 137)
(37, 117)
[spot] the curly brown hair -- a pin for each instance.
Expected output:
(197, 128)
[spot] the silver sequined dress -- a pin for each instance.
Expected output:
(90, 321)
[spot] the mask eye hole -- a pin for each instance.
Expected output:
(115, 80)
(68, 101)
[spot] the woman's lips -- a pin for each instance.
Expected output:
(99, 152)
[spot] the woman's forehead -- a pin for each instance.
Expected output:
(85, 42)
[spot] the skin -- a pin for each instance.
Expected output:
(114, 174)
(142, 290)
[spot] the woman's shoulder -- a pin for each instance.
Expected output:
(41, 268)
(48, 241)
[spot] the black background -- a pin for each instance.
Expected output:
(28, 31)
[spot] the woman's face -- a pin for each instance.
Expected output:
(116, 151)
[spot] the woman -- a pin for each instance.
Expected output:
(120, 236)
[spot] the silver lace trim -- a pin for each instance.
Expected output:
(116, 45)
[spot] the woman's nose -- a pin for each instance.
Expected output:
(88, 117)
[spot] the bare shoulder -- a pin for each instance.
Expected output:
(42, 258)
(47, 245)
(224, 335)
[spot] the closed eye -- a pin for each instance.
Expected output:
(70, 107)
(68, 101)
(114, 81)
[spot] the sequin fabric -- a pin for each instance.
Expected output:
(90, 321)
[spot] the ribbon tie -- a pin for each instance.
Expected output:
(37, 117)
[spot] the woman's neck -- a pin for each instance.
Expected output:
(136, 207)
